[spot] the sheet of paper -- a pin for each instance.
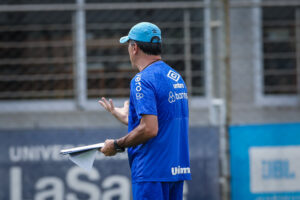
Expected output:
(83, 156)
(84, 159)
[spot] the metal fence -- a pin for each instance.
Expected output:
(55, 50)
(48, 53)
(36, 55)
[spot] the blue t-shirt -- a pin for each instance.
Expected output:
(159, 90)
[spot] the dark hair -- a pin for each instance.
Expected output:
(149, 47)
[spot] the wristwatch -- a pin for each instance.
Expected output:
(117, 147)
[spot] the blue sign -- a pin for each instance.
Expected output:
(32, 168)
(265, 162)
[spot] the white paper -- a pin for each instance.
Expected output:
(83, 156)
(85, 159)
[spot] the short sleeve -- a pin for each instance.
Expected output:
(143, 94)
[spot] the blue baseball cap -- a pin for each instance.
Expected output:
(143, 32)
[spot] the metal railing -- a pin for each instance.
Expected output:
(89, 53)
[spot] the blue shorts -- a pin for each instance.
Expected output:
(157, 190)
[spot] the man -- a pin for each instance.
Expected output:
(157, 118)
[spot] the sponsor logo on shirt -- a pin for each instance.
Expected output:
(138, 85)
(139, 96)
(173, 96)
(180, 170)
(173, 75)
(178, 85)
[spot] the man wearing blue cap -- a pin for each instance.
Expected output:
(157, 118)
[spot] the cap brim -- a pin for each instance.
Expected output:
(124, 39)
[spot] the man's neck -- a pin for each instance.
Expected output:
(146, 61)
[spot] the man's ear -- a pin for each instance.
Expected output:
(135, 48)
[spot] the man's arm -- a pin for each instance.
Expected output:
(120, 114)
(146, 130)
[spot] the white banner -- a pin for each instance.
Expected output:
(274, 169)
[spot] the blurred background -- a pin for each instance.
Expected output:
(240, 60)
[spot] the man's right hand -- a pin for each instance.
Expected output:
(120, 113)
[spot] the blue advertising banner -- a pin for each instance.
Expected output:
(31, 167)
(265, 162)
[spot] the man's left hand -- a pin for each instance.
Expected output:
(109, 148)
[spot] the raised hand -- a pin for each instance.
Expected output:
(120, 113)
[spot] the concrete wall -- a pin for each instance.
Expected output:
(76, 119)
